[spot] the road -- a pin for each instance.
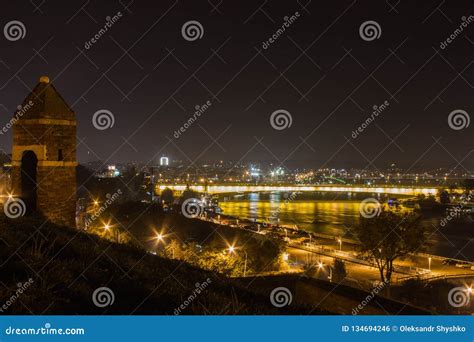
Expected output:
(327, 248)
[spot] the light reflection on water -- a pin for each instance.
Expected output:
(319, 216)
(336, 214)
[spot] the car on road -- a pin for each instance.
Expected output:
(449, 262)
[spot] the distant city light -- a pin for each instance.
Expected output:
(164, 161)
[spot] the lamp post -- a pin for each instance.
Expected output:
(231, 250)
(340, 244)
(159, 239)
(245, 264)
(429, 264)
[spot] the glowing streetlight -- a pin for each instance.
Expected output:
(429, 263)
(340, 244)
(231, 250)
(159, 237)
(108, 227)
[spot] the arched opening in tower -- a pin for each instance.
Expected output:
(29, 163)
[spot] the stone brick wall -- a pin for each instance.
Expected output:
(57, 194)
(56, 179)
(54, 137)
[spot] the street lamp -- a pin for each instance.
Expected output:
(429, 263)
(115, 231)
(231, 250)
(159, 237)
(340, 244)
(245, 264)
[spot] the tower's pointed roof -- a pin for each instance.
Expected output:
(46, 103)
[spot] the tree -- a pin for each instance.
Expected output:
(188, 193)
(468, 184)
(340, 271)
(444, 197)
(390, 236)
(167, 196)
(221, 262)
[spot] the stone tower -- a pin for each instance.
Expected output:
(44, 155)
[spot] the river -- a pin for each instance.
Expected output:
(337, 213)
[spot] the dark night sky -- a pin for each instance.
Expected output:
(134, 58)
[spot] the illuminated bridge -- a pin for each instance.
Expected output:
(223, 189)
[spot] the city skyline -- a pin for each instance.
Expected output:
(326, 77)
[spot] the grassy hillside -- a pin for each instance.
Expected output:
(67, 265)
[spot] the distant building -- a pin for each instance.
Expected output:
(164, 161)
